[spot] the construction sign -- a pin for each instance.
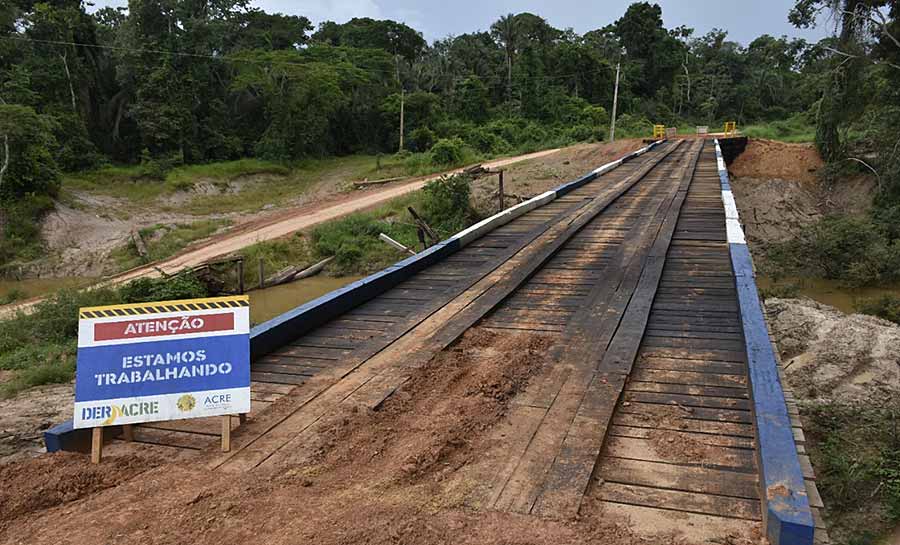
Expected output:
(159, 361)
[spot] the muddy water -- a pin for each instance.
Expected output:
(829, 292)
(270, 302)
(41, 286)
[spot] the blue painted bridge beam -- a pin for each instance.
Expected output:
(787, 515)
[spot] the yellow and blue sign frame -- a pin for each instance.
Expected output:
(159, 361)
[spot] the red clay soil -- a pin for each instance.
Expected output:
(387, 476)
(37, 484)
(769, 159)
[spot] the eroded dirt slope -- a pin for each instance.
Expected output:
(779, 192)
(834, 356)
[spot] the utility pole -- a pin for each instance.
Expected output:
(612, 125)
(402, 95)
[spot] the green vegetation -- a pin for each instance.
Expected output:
(854, 126)
(353, 240)
(11, 296)
(40, 347)
(798, 128)
(857, 250)
(269, 94)
(856, 452)
(164, 241)
(278, 254)
(887, 306)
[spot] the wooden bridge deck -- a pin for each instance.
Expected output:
(645, 408)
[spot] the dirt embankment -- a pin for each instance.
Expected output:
(28, 415)
(779, 193)
(390, 476)
(530, 178)
(833, 356)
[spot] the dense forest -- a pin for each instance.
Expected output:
(170, 82)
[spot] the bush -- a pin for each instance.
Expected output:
(142, 290)
(583, 133)
(20, 238)
(354, 243)
(156, 168)
(421, 139)
(446, 205)
(632, 126)
(11, 296)
(887, 306)
(853, 249)
(41, 346)
(447, 152)
(487, 142)
(856, 452)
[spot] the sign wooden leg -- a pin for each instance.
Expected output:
(96, 445)
(128, 432)
(226, 433)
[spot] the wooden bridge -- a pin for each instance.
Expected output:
(639, 274)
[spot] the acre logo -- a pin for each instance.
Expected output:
(217, 400)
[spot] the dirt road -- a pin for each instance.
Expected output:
(278, 225)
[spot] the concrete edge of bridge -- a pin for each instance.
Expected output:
(787, 514)
(274, 333)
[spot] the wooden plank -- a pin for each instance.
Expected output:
(570, 472)
(686, 424)
(707, 504)
(650, 523)
(697, 479)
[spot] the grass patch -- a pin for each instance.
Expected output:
(856, 452)
(275, 255)
(353, 240)
(164, 241)
(40, 347)
(272, 183)
(795, 129)
(185, 176)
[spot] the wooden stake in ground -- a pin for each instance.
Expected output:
(226, 433)
(502, 207)
(96, 445)
(240, 275)
(424, 226)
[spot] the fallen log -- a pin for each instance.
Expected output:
(139, 243)
(313, 270)
(284, 275)
(289, 274)
(366, 183)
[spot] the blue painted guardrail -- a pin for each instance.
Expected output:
(275, 333)
(787, 516)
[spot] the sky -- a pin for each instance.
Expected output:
(743, 19)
